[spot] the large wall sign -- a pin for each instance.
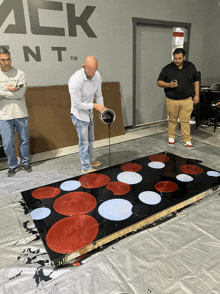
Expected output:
(44, 32)
(33, 8)
(49, 40)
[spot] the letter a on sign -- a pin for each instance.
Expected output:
(6, 8)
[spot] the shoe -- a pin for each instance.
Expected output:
(192, 122)
(88, 171)
(12, 171)
(171, 141)
(27, 168)
(188, 144)
(95, 163)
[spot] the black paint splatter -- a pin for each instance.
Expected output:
(42, 262)
(15, 243)
(32, 257)
(40, 276)
(31, 231)
(34, 251)
(16, 275)
(24, 206)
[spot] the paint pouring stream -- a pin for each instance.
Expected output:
(108, 117)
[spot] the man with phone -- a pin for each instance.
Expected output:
(180, 81)
(13, 113)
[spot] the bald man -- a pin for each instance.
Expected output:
(85, 85)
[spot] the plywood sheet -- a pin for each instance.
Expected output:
(102, 206)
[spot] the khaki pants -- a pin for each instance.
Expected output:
(181, 109)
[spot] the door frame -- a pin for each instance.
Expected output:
(153, 22)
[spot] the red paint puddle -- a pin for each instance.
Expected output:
(72, 233)
(131, 167)
(94, 181)
(45, 192)
(192, 169)
(166, 186)
(159, 157)
(75, 203)
(76, 263)
(118, 188)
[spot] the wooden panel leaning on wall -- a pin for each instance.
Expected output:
(50, 124)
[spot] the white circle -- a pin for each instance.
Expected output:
(116, 209)
(40, 213)
(184, 178)
(213, 174)
(156, 164)
(130, 178)
(70, 185)
(149, 197)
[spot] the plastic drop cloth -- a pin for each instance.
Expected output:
(177, 256)
(180, 255)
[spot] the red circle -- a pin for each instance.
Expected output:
(75, 203)
(94, 180)
(118, 188)
(72, 233)
(45, 192)
(159, 157)
(132, 167)
(191, 169)
(166, 186)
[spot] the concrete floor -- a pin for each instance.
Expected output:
(179, 255)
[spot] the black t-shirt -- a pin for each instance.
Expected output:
(185, 77)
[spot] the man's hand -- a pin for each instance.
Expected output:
(173, 84)
(12, 88)
(196, 99)
(99, 107)
(163, 84)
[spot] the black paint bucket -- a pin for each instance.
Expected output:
(108, 116)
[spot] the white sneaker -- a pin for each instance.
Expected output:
(192, 122)
(171, 141)
(188, 144)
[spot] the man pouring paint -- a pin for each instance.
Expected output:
(180, 81)
(85, 85)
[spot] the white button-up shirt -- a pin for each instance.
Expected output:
(82, 92)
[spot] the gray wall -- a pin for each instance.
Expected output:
(209, 60)
(111, 22)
